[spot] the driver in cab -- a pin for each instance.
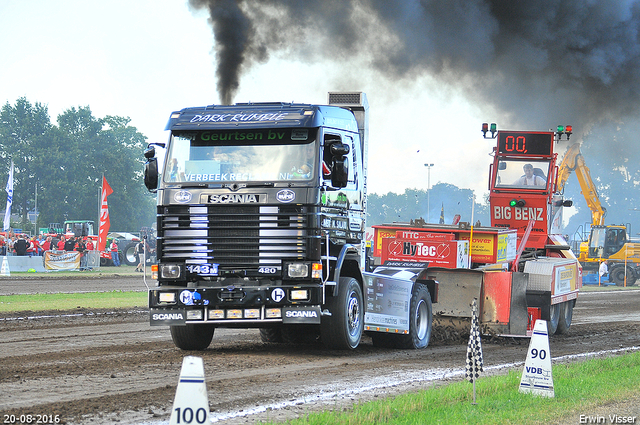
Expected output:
(530, 178)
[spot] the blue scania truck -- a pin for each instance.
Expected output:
(261, 220)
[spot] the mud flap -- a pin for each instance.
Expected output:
(456, 289)
(502, 298)
(504, 304)
(452, 313)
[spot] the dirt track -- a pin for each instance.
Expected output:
(100, 367)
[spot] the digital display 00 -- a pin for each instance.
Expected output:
(522, 143)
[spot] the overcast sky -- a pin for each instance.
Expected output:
(144, 59)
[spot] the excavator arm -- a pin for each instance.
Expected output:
(574, 161)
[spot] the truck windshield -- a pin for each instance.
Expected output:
(250, 155)
(522, 174)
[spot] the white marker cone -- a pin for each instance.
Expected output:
(537, 377)
(191, 405)
(5, 267)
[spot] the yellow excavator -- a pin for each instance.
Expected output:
(608, 243)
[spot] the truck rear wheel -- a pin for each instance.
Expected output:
(420, 323)
(420, 320)
(192, 337)
(554, 318)
(566, 315)
(343, 329)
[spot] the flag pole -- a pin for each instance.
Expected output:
(35, 220)
(100, 199)
(6, 225)
(474, 362)
(473, 204)
(474, 392)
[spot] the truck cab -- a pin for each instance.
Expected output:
(260, 215)
(522, 185)
(524, 196)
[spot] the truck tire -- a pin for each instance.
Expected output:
(420, 324)
(566, 315)
(616, 274)
(271, 335)
(420, 320)
(554, 318)
(129, 256)
(343, 329)
(192, 337)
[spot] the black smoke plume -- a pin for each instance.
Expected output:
(537, 61)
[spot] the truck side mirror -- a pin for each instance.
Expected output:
(339, 149)
(150, 152)
(339, 173)
(151, 174)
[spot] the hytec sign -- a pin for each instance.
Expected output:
(439, 250)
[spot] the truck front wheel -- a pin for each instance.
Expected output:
(343, 329)
(192, 337)
(271, 335)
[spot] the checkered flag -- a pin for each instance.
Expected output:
(474, 349)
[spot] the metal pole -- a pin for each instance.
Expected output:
(36, 212)
(428, 190)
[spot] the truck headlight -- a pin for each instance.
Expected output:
(169, 271)
(251, 313)
(194, 314)
(167, 297)
(299, 294)
(216, 314)
(273, 313)
(298, 270)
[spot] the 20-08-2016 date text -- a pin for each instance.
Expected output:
(31, 419)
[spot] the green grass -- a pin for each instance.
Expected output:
(40, 302)
(579, 388)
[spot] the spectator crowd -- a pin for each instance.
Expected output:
(23, 245)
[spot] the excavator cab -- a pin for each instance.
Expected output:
(606, 241)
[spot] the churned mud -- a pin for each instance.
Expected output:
(97, 366)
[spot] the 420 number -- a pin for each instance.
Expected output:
(268, 270)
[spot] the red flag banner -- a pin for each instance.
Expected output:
(104, 215)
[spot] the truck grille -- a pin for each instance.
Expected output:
(235, 236)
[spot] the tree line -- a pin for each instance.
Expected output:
(63, 163)
(443, 200)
